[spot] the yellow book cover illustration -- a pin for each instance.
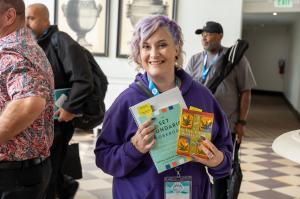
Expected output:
(194, 127)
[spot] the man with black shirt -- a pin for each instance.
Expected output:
(71, 70)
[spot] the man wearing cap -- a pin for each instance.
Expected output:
(233, 93)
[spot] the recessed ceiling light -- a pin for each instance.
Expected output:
(274, 13)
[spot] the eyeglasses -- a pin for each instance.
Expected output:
(207, 34)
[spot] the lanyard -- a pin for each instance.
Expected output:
(153, 88)
(206, 68)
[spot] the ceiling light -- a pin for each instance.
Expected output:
(274, 13)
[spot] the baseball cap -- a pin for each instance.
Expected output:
(211, 27)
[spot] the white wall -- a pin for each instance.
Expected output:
(192, 14)
(268, 44)
(292, 87)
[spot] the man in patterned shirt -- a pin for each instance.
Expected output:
(26, 108)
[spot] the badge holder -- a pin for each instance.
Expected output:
(178, 187)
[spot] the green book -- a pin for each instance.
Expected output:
(166, 133)
(60, 96)
(164, 152)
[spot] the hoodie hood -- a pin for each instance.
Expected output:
(186, 81)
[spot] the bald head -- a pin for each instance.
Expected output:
(37, 18)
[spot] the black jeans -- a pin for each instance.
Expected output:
(63, 132)
(220, 186)
(28, 182)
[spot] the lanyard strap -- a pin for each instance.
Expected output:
(153, 88)
(206, 68)
(178, 170)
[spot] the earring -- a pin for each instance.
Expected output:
(176, 63)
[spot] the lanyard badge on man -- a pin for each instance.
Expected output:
(206, 68)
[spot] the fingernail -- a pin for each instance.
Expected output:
(203, 137)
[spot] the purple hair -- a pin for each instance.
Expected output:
(146, 27)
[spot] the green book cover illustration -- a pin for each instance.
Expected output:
(60, 96)
(166, 133)
(193, 127)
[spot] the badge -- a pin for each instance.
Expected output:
(179, 187)
(155, 91)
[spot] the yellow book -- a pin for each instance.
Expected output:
(193, 127)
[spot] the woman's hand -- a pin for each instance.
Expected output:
(216, 157)
(144, 140)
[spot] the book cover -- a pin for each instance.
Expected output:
(166, 124)
(164, 152)
(165, 99)
(60, 96)
(194, 128)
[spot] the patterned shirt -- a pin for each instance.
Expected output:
(25, 72)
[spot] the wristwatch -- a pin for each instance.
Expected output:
(242, 122)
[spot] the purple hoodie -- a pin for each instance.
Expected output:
(135, 176)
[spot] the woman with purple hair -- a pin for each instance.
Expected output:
(122, 150)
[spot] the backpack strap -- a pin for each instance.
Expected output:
(143, 88)
(231, 58)
(237, 51)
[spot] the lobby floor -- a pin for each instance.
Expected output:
(266, 175)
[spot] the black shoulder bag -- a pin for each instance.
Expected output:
(226, 64)
(236, 176)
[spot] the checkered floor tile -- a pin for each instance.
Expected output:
(266, 175)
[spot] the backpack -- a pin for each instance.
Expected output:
(93, 108)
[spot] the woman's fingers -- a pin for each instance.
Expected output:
(148, 130)
(150, 145)
(144, 137)
(214, 155)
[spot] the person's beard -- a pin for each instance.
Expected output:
(33, 35)
(212, 47)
